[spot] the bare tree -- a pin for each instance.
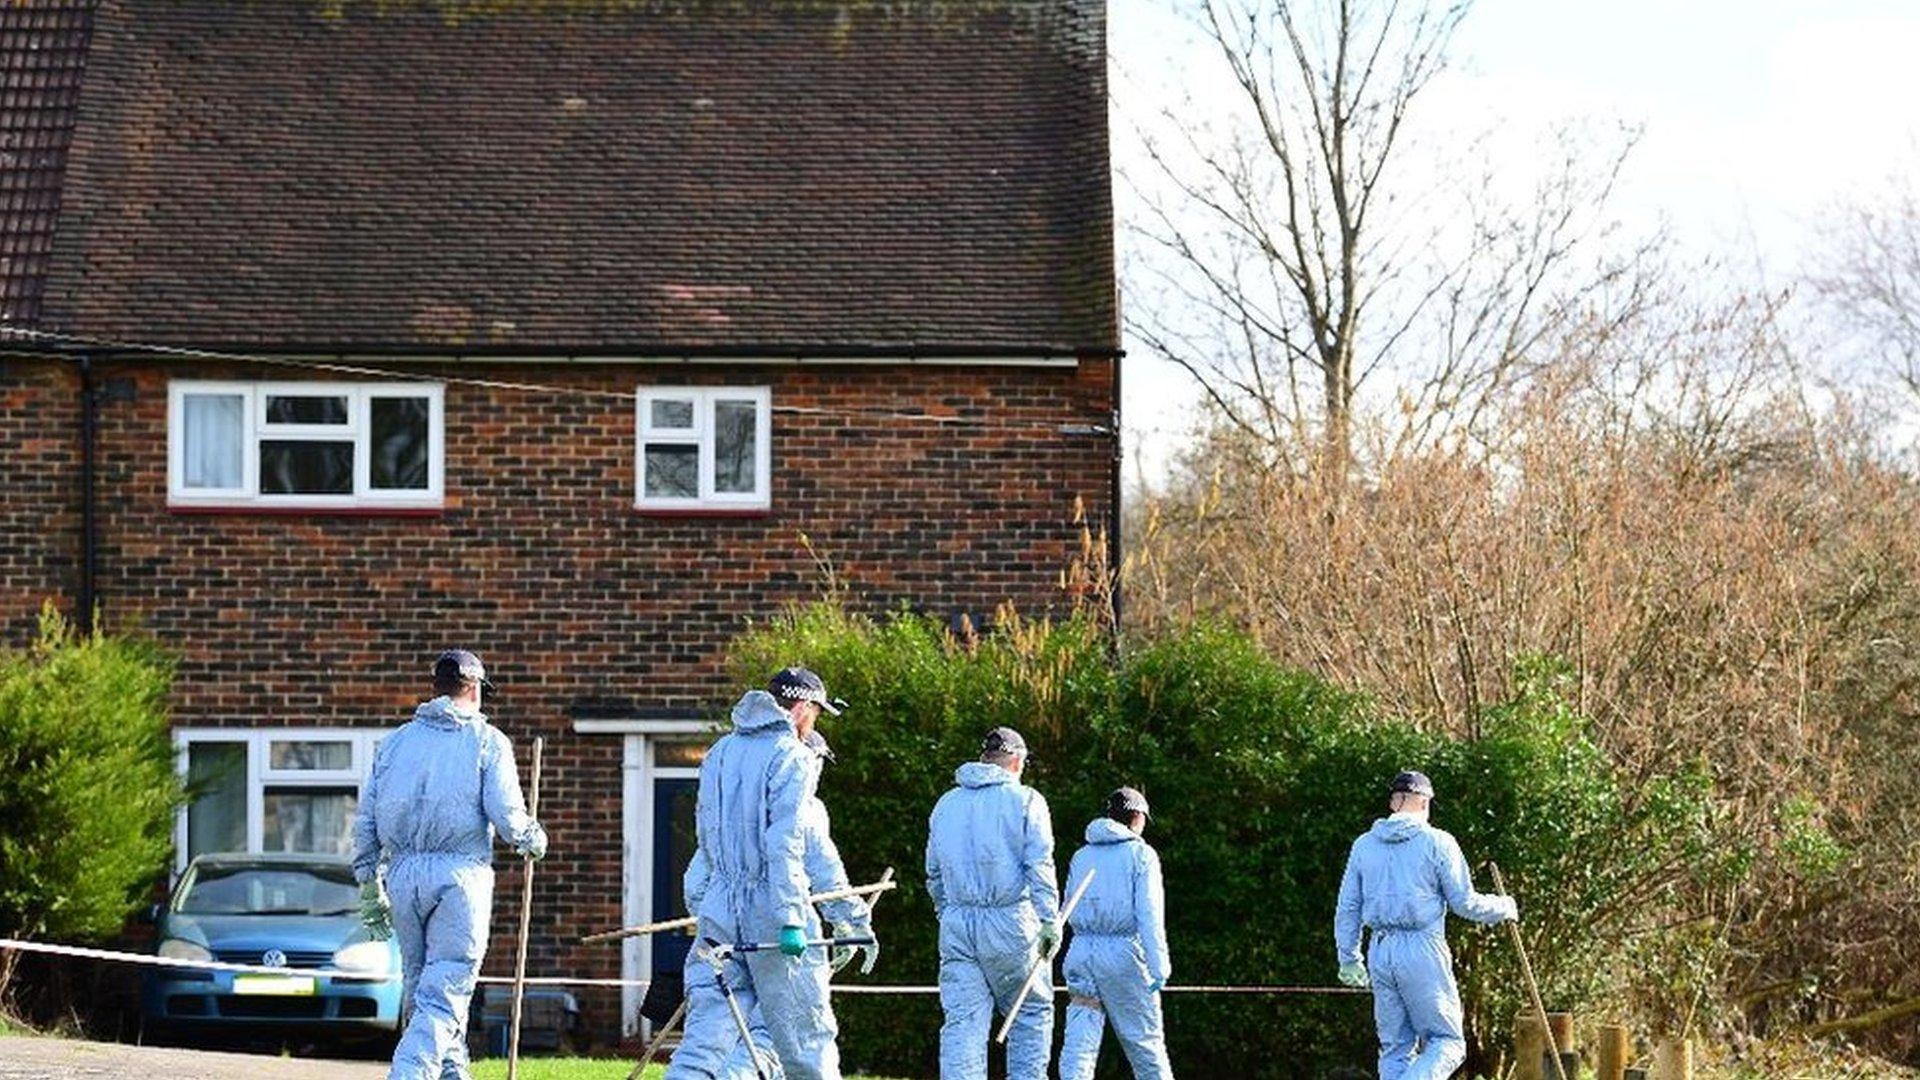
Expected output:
(1870, 275)
(1288, 260)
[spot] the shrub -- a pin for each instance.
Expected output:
(87, 785)
(1260, 778)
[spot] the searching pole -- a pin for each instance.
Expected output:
(1533, 988)
(526, 919)
(1033, 972)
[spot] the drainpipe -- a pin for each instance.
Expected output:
(1114, 516)
(89, 541)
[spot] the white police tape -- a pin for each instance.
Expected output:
(171, 962)
(151, 960)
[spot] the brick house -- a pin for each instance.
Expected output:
(545, 329)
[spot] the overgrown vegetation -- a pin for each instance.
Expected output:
(87, 784)
(1260, 777)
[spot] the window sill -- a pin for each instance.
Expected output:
(703, 511)
(246, 510)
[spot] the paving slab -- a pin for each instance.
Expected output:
(73, 1059)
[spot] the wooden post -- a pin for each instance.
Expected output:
(1616, 1049)
(1561, 1024)
(1529, 1046)
(1673, 1060)
(526, 918)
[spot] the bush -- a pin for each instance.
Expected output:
(1260, 779)
(87, 784)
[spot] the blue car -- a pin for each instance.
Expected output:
(293, 911)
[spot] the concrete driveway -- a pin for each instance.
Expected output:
(61, 1059)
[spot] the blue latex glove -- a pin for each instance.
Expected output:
(375, 915)
(1355, 975)
(793, 941)
(1156, 986)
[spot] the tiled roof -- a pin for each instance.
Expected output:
(585, 175)
(43, 51)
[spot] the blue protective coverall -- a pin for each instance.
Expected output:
(1118, 959)
(825, 873)
(441, 786)
(990, 875)
(750, 823)
(1402, 878)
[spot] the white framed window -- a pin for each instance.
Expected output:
(704, 448)
(305, 444)
(293, 789)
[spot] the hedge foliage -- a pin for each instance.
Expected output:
(87, 783)
(1260, 778)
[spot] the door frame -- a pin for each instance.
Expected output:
(637, 776)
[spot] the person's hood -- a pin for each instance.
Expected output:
(981, 774)
(442, 713)
(757, 711)
(1105, 830)
(1398, 829)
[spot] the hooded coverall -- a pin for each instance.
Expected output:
(990, 875)
(1402, 878)
(1118, 959)
(441, 786)
(825, 873)
(750, 822)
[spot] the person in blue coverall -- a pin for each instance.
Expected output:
(990, 875)
(1403, 876)
(1117, 963)
(441, 786)
(849, 916)
(750, 822)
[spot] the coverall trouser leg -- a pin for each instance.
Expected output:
(442, 909)
(1416, 1006)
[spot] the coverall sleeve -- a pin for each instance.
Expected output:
(500, 795)
(825, 871)
(366, 827)
(1456, 884)
(1346, 911)
(936, 889)
(783, 841)
(1043, 887)
(1150, 909)
(693, 884)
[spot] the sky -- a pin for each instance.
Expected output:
(1756, 117)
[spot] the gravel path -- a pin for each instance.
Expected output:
(67, 1059)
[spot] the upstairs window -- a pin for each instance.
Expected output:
(704, 448)
(313, 445)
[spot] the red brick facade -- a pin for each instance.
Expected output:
(541, 563)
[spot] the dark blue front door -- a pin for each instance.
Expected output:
(673, 845)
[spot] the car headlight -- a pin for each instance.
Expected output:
(178, 949)
(367, 957)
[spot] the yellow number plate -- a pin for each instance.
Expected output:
(275, 985)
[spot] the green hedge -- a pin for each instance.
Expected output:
(1260, 778)
(87, 784)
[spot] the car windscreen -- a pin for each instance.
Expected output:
(277, 890)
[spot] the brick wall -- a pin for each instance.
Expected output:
(542, 565)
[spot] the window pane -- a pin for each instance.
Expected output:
(673, 471)
(309, 819)
(300, 754)
(399, 443)
(735, 427)
(672, 412)
(215, 425)
(306, 410)
(217, 780)
(305, 468)
(680, 753)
